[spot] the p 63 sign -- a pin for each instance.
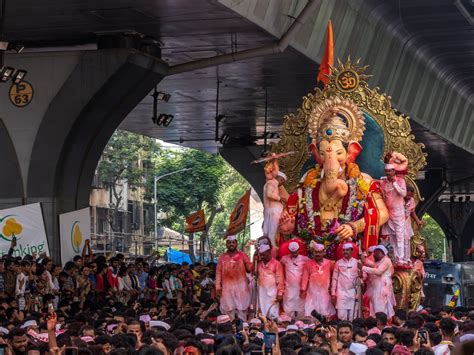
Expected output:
(21, 94)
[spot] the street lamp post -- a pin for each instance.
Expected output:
(154, 189)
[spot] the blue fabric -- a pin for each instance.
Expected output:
(142, 280)
(177, 257)
(370, 159)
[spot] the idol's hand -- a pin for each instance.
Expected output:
(344, 232)
(399, 161)
(287, 223)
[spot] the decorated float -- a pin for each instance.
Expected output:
(340, 137)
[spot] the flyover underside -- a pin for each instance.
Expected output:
(419, 72)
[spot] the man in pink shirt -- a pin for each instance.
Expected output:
(293, 264)
(231, 281)
(368, 261)
(271, 282)
(382, 298)
(315, 283)
(394, 191)
(343, 286)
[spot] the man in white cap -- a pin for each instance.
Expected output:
(394, 190)
(272, 205)
(343, 286)
(231, 280)
(293, 264)
(271, 282)
(382, 298)
(315, 283)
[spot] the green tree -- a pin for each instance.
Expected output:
(434, 237)
(234, 186)
(125, 161)
(210, 184)
(181, 194)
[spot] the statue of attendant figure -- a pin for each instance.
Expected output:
(272, 200)
(335, 201)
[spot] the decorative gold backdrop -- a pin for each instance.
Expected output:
(348, 81)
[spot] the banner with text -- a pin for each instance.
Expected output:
(75, 229)
(25, 223)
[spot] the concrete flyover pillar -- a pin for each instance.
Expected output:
(51, 146)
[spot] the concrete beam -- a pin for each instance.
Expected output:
(240, 158)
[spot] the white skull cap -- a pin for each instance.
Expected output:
(347, 246)
(231, 237)
(293, 246)
(381, 248)
(316, 246)
(263, 248)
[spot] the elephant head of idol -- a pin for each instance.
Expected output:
(336, 126)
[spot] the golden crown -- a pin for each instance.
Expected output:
(336, 119)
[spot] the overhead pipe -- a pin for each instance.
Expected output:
(275, 48)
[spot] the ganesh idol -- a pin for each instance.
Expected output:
(335, 202)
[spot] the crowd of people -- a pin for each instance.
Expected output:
(92, 305)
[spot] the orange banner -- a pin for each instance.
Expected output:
(196, 222)
(238, 218)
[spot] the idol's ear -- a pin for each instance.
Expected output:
(313, 149)
(353, 151)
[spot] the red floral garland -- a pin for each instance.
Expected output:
(316, 207)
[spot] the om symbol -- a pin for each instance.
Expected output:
(347, 80)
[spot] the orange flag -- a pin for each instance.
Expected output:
(196, 222)
(238, 217)
(328, 59)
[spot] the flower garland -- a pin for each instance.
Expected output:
(309, 216)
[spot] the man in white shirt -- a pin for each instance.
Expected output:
(343, 287)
